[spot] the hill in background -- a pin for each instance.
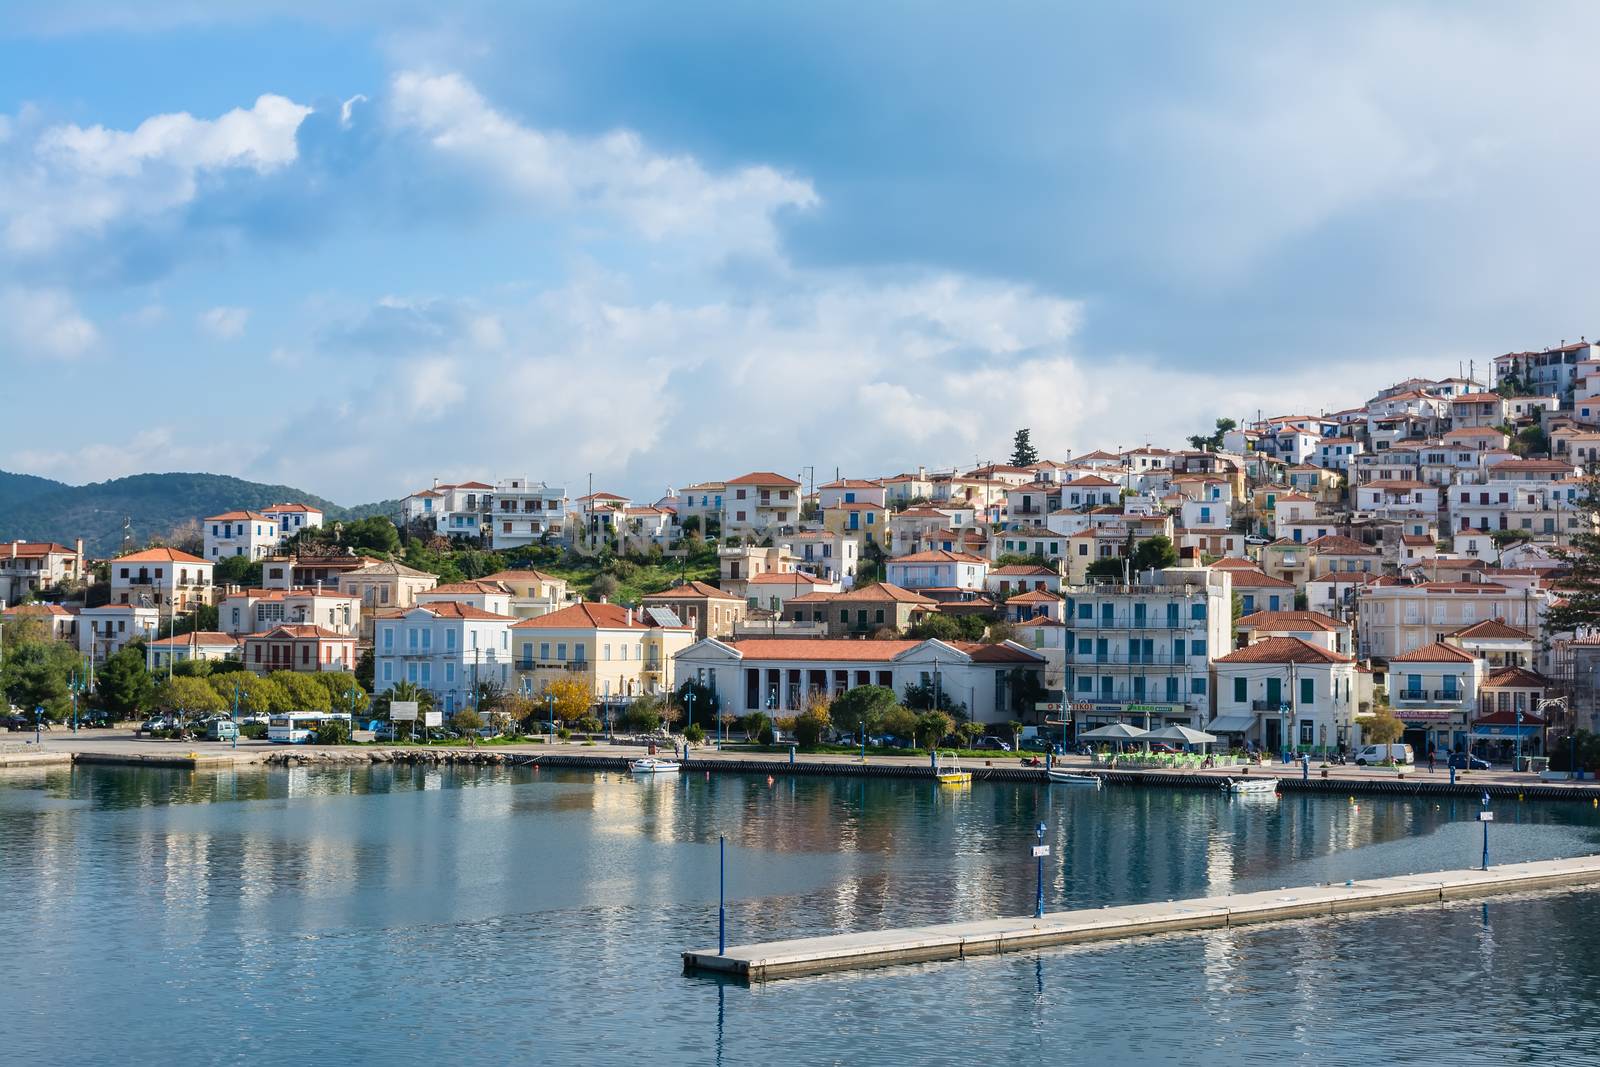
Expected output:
(38, 509)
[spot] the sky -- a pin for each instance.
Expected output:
(355, 246)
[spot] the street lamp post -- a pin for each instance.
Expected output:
(1486, 817)
(716, 710)
(1040, 851)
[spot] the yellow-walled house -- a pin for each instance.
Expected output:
(618, 651)
(864, 519)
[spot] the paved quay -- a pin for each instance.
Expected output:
(61, 746)
(952, 941)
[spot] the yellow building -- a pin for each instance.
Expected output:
(617, 651)
(862, 519)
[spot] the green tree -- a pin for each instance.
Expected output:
(1106, 567)
(402, 691)
(937, 626)
(968, 733)
(1579, 605)
(122, 684)
(36, 674)
(753, 722)
(1212, 441)
(863, 708)
(642, 715)
(237, 570)
(604, 587)
(188, 696)
(375, 533)
(344, 692)
(1382, 729)
(811, 724)
(1023, 454)
(304, 691)
(1155, 553)
(931, 697)
(1014, 728)
(933, 727)
(256, 695)
(900, 721)
(703, 705)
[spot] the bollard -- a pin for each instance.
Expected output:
(791, 753)
(1452, 774)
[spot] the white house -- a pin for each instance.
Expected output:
(292, 518)
(161, 577)
(104, 630)
(1434, 691)
(524, 512)
(250, 534)
(852, 491)
(779, 675)
(445, 648)
(938, 569)
(1285, 691)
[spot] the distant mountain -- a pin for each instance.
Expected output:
(38, 509)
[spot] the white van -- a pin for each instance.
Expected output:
(1378, 753)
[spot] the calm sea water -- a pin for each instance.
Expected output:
(399, 916)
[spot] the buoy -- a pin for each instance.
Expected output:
(708, 776)
(769, 779)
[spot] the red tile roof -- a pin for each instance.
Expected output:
(454, 609)
(883, 591)
(694, 591)
(234, 516)
(160, 555)
(847, 650)
(763, 478)
(590, 615)
(1291, 620)
(1283, 650)
(939, 555)
(1438, 652)
(29, 549)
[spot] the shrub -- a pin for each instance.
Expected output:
(563, 733)
(590, 724)
(466, 721)
(811, 724)
(333, 732)
(695, 734)
(767, 736)
(254, 731)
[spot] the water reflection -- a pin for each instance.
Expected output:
(353, 903)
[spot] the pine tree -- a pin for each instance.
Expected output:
(1580, 589)
(1023, 454)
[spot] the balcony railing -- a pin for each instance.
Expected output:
(1448, 696)
(1131, 622)
(1124, 659)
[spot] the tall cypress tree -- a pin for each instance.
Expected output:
(1580, 588)
(1023, 454)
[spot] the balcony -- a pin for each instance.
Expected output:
(1132, 622)
(1282, 706)
(574, 665)
(1125, 659)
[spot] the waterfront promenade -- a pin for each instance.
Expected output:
(987, 937)
(120, 746)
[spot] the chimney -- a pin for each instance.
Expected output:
(630, 616)
(605, 600)
(77, 548)
(13, 550)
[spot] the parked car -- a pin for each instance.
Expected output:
(96, 719)
(16, 720)
(993, 744)
(221, 730)
(1397, 753)
(1464, 761)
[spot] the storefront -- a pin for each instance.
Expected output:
(1091, 715)
(1502, 735)
(1433, 729)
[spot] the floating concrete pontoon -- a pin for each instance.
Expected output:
(949, 941)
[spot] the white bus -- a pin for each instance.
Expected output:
(300, 727)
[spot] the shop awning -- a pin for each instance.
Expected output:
(1525, 730)
(1231, 724)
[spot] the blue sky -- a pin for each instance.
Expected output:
(355, 246)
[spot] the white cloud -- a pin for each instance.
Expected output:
(69, 180)
(661, 196)
(156, 448)
(224, 323)
(44, 323)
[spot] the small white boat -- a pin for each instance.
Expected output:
(1251, 785)
(1062, 777)
(654, 765)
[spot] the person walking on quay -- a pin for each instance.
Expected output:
(1430, 759)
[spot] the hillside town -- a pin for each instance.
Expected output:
(1278, 581)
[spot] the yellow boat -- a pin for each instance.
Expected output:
(949, 773)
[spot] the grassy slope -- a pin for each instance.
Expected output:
(644, 580)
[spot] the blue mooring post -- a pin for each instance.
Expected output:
(1485, 816)
(1038, 852)
(791, 753)
(722, 888)
(1452, 774)
(1305, 767)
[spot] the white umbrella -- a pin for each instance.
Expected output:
(1186, 735)
(1117, 731)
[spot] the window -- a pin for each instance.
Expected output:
(1197, 612)
(1308, 691)
(1197, 686)
(1241, 690)
(1197, 648)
